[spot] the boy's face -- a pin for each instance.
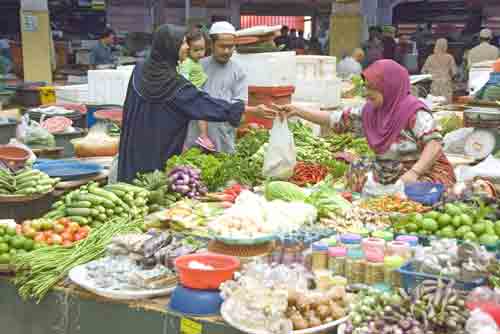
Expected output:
(223, 48)
(197, 49)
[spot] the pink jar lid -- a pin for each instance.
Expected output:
(337, 251)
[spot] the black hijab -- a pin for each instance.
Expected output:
(160, 79)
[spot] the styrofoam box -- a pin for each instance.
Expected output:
(108, 86)
(269, 69)
(316, 68)
(72, 94)
(326, 92)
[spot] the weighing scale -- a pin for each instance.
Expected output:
(485, 139)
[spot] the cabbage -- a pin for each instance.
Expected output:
(285, 191)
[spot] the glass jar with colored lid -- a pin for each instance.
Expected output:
(349, 239)
(355, 265)
(391, 274)
(411, 239)
(319, 254)
(336, 260)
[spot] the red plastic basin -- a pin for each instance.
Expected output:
(224, 268)
(13, 156)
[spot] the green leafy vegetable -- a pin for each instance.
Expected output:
(286, 191)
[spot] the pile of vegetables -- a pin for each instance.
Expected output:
(351, 143)
(434, 307)
(460, 220)
(450, 123)
(328, 201)
(40, 270)
(308, 174)
(392, 203)
(12, 244)
(186, 181)
(25, 182)
(159, 195)
(92, 205)
(285, 191)
(47, 232)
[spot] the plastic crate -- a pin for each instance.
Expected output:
(410, 279)
(422, 192)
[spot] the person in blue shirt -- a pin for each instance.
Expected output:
(102, 54)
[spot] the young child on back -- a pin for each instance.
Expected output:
(191, 69)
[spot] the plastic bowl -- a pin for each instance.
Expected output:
(424, 192)
(15, 157)
(224, 265)
(195, 302)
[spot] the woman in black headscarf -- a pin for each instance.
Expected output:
(159, 105)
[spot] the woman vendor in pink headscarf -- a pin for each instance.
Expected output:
(398, 126)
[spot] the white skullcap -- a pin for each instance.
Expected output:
(222, 27)
(485, 33)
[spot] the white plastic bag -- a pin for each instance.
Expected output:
(280, 157)
(454, 142)
(113, 171)
(481, 323)
(373, 188)
(488, 169)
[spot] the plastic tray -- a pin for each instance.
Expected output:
(410, 279)
(68, 169)
(422, 192)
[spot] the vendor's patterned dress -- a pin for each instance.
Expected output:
(402, 154)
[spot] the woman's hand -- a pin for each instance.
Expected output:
(409, 177)
(287, 111)
(263, 111)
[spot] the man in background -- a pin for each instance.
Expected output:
(283, 39)
(351, 65)
(102, 54)
(484, 51)
(373, 46)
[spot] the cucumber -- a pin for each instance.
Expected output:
(106, 194)
(102, 217)
(26, 191)
(44, 189)
(27, 173)
(118, 193)
(110, 212)
(126, 188)
(118, 209)
(95, 200)
(79, 219)
(55, 213)
(101, 209)
(46, 182)
(80, 204)
(83, 212)
(6, 185)
(30, 184)
(57, 204)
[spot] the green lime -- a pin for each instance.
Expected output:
(430, 225)
(462, 231)
(28, 244)
(470, 236)
(4, 258)
(456, 221)
(497, 228)
(466, 219)
(18, 242)
(452, 210)
(4, 248)
(2, 230)
(412, 227)
(478, 228)
(444, 220)
(432, 215)
(13, 252)
(11, 231)
(448, 232)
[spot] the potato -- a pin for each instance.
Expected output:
(314, 322)
(323, 311)
(337, 311)
(299, 323)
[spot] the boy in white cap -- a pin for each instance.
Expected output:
(226, 80)
(484, 51)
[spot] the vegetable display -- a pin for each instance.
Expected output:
(461, 221)
(328, 201)
(40, 270)
(308, 174)
(284, 191)
(60, 232)
(157, 184)
(25, 182)
(392, 203)
(93, 205)
(186, 181)
(12, 244)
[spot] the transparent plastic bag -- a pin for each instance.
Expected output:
(36, 136)
(454, 142)
(281, 156)
(113, 171)
(373, 188)
(480, 322)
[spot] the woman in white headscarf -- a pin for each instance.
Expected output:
(441, 65)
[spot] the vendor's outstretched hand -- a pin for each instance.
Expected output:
(263, 111)
(286, 111)
(409, 177)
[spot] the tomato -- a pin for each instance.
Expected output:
(73, 227)
(67, 243)
(57, 239)
(84, 229)
(64, 221)
(49, 241)
(29, 232)
(58, 228)
(67, 236)
(40, 237)
(19, 229)
(48, 233)
(79, 236)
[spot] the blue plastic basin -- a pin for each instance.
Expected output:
(195, 302)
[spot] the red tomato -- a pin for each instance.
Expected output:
(48, 234)
(57, 239)
(79, 236)
(85, 229)
(58, 228)
(67, 236)
(73, 227)
(67, 243)
(19, 229)
(40, 237)
(64, 221)
(49, 241)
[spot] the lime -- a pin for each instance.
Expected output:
(432, 215)
(462, 231)
(456, 221)
(4, 258)
(4, 248)
(11, 231)
(28, 244)
(430, 224)
(478, 228)
(488, 239)
(466, 220)
(444, 220)
(7, 239)
(497, 228)
(36, 224)
(440, 233)
(452, 210)
(2, 230)
(470, 236)
(18, 242)
(448, 232)
(13, 252)
(411, 227)
(47, 225)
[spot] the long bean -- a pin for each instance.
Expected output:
(40, 270)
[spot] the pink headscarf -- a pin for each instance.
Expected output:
(382, 126)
